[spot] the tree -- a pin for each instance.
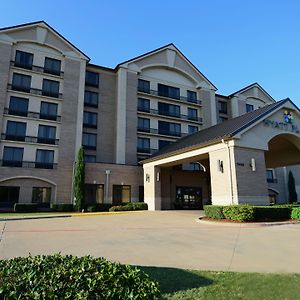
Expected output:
(292, 188)
(79, 181)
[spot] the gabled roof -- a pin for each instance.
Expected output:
(31, 24)
(249, 87)
(215, 134)
(160, 49)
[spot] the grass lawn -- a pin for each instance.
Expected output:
(185, 284)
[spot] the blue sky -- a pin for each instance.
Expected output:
(234, 43)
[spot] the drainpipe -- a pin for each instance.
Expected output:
(230, 169)
(107, 172)
(72, 190)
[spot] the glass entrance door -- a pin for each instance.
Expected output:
(188, 198)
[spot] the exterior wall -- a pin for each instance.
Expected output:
(119, 175)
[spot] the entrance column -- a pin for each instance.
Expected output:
(152, 187)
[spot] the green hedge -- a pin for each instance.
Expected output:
(130, 206)
(239, 212)
(70, 277)
(25, 207)
(62, 207)
(99, 207)
(295, 213)
(214, 211)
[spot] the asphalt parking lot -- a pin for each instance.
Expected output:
(162, 238)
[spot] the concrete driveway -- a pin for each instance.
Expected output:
(163, 238)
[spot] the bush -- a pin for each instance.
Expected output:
(214, 211)
(275, 212)
(70, 277)
(99, 207)
(296, 213)
(25, 207)
(239, 212)
(130, 206)
(62, 207)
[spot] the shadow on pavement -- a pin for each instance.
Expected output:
(172, 280)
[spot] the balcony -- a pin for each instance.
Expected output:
(31, 114)
(146, 150)
(34, 91)
(29, 139)
(27, 164)
(37, 69)
(159, 94)
(160, 132)
(169, 114)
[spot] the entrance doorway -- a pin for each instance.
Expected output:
(188, 198)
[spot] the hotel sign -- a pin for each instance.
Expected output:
(287, 124)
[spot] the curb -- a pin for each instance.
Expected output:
(253, 224)
(33, 217)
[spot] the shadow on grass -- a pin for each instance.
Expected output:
(172, 280)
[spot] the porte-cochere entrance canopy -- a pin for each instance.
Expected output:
(237, 152)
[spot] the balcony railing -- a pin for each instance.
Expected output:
(157, 93)
(31, 114)
(29, 139)
(89, 147)
(33, 91)
(27, 164)
(161, 132)
(37, 69)
(88, 125)
(169, 114)
(146, 150)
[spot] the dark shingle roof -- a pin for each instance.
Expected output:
(218, 132)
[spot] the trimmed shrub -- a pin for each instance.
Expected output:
(25, 207)
(214, 211)
(239, 212)
(275, 212)
(130, 206)
(296, 213)
(99, 207)
(70, 277)
(62, 207)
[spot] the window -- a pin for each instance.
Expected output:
(12, 156)
(143, 145)
(163, 143)
(89, 158)
(271, 176)
(47, 134)
(23, 60)
(50, 88)
(222, 107)
(48, 111)
(41, 195)
(91, 79)
(44, 159)
(15, 131)
(168, 91)
(144, 86)
(18, 106)
(121, 194)
(222, 119)
(21, 82)
(90, 99)
(169, 128)
(52, 66)
(192, 129)
(191, 96)
(249, 107)
(168, 109)
(89, 119)
(9, 194)
(143, 104)
(144, 124)
(192, 114)
(89, 141)
(94, 193)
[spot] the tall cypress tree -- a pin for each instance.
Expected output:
(79, 181)
(292, 188)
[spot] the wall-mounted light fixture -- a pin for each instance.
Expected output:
(220, 166)
(157, 176)
(147, 177)
(253, 164)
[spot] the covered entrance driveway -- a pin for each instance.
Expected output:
(235, 154)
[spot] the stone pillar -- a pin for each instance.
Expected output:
(152, 187)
